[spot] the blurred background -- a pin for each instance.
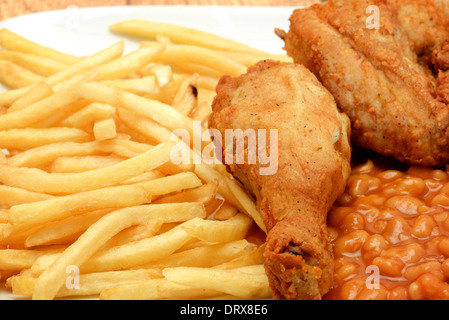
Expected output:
(13, 8)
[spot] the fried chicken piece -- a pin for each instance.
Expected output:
(313, 154)
(392, 81)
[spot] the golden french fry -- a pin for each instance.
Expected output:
(144, 126)
(233, 229)
(81, 164)
(111, 197)
(88, 115)
(12, 41)
(204, 194)
(51, 233)
(51, 280)
(55, 183)
(105, 129)
(187, 54)
(178, 34)
(186, 98)
(225, 212)
(27, 138)
(10, 196)
(38, 92)
(41, 65)
(86, 284)
(131, 62)
(234, 282)
(153, 109)
(70, 76)
(18, 259)
(141, 86)
(155, 289)
(205, 256)
(42, 109)
(15, 76)
(253, 258)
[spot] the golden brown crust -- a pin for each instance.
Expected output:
(390, 81)
(313, 166)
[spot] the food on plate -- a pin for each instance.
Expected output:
(385, 62)
(313, 164)
(91, 202)
(390, 231)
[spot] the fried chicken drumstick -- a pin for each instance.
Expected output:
(392, 80)
(313, 167)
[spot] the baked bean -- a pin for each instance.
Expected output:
(441, 199)
(380, 293)
(414, 272)
(414, 186)
(353, 221)
(350, 242)
(443, 246)
(398, 293)
(397, 230)
(405, 204)
(423, 226)
(391, 267)
(445, 268)
(344, 271)
(362, 184)
(389, 175)
(373, 247)
(351, 288)
(397, 222)
(410, 253)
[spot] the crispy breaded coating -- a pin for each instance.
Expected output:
(313, 166)
(391, 80)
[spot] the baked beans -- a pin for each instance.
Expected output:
(390, 234)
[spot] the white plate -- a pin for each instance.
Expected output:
(85, 31)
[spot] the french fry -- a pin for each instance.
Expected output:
(178, 34)
(154, 290)
(234, 282)
(144, 126)
(219, 231)
(42, 109)
(10, 196)
(187, 97)
(15, 76)
(181, 54)
(27, 138)
(56, 183)
(14, 259)
(51, 233)
(12, 41)
(81, 164)
(204, 194)
(141, 86)
(49, 282)
(38, 92)
(89, 284)
(70, 76)
(105, 129)
(131, 62)
(37, 64)
(205, 256)
(111, 197)
(88, 115)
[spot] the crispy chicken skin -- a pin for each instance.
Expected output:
(392, 81)
(313, 167)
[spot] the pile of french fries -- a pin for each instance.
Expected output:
(90, 203)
